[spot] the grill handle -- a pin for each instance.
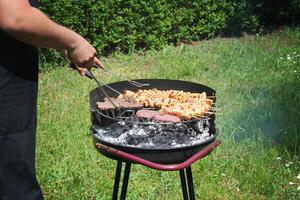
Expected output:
(168, 167)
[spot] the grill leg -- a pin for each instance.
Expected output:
(117, 180)
(125, 181)
(183, 184)
(190, 183)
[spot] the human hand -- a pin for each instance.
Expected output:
(82, 70)
(83, 55)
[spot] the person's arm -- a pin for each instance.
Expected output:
(30, 25)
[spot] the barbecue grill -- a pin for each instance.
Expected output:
(148, 142)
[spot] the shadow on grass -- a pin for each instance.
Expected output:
(273, 111)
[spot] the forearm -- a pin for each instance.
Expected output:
(35, 28)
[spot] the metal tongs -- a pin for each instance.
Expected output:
(90, 75)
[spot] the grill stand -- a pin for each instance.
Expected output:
(125, 180)
(185, 170)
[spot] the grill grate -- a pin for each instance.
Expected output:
(129, 116)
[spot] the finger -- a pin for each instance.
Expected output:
(81, 71)
(98, 62)
(85, 63)
(88, 64)
(72, 66)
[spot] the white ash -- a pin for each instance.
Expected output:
(154, 135)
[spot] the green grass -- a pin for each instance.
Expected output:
(257, 79)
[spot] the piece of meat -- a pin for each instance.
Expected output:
(115, 100)
(166, 118)
(148, 114)
(105, 105)
(121, 103)
(131, 105)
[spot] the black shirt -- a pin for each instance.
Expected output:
(17, 58)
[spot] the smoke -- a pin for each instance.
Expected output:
(272, 112)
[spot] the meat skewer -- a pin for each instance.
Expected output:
(184, 105)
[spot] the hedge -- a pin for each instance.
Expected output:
(127, 25)
(256, 16)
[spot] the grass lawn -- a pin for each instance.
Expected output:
(257, 79)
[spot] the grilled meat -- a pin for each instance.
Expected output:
(185, 105)
(120, 103)
(166, 118)
(148, 114)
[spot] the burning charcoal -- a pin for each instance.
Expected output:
(115, 132)
(161, 140)
(182, 128)
(151, 131)
(202, 126)
(116, 129)
(135, 140)
(127, 127)
(192, 132)
(199, 126)
(156, 136)
(177, 128)
(205, 134)
(182, 138)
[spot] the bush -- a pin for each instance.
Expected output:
(127, 25)
(253, 16)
